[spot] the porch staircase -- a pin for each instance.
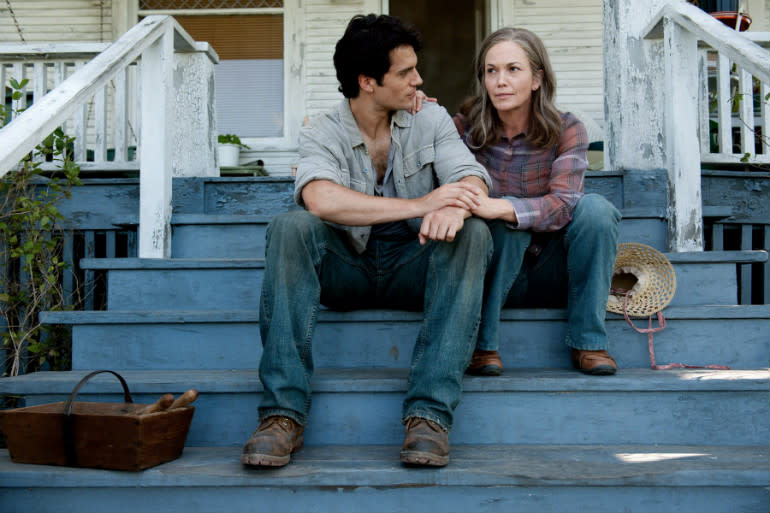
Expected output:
(540, 438)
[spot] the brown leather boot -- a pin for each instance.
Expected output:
(426, 443)
(273, 442)
(485, 363)
(597, 363)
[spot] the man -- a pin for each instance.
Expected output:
(387, 198)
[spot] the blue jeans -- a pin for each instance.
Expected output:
(574, 270)
(309, 262)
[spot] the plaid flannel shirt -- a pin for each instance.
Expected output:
(544, 185)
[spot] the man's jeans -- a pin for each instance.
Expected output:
(310, 262)
(574, 270)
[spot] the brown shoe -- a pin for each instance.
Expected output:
(485, 363)
(273, 442)
(597, 363)
(426, 443)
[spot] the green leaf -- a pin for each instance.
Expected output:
(746, 157)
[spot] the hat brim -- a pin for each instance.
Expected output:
(655, 281)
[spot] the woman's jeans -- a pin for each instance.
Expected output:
(309, 262)
(574, 269)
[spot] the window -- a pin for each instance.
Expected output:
(248, 36)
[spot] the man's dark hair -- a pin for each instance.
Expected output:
(365, 48)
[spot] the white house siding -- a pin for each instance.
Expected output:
(572, 33)
(325, 22)
(759, 10)
(56, 20)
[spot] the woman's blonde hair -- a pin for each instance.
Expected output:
(545, 123)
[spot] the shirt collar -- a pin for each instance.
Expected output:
(401, 118)
(349, 122)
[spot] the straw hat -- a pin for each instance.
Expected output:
(648, 276)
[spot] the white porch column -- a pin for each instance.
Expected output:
(685, 206)
(641, 130)
(194, 125)
(156, 150)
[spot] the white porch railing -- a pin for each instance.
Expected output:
(732, 131)
(142, 116)
(683, 27)
(105, 127)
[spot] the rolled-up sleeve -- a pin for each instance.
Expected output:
(453, 160)
(317, 161)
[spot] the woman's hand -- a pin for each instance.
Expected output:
(420, 97)
(495, 208)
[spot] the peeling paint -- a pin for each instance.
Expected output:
(194, 150)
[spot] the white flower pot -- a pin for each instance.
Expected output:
(228, 155)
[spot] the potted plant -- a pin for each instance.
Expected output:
(229, 150)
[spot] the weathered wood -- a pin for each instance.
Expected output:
(104, 435)
(723, 106)
(747, 54)
(703, 102)
(89, 279)
(68, 274)
(766, 245)
(681, 135)
(746, 109)
(45, 51)
(730, 49)
(17, 139)
(80, 126)
(746, 193)
(746, 243)
(155, 165)
(121, 117)
(764, 102)
(100, 124)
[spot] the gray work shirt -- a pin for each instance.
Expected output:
(427, 153)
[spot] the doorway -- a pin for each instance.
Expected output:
(451, 32)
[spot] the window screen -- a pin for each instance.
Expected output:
(249, 76)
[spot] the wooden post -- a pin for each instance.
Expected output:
(680, 50)
(155, 165)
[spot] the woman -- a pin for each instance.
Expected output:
(554, 246)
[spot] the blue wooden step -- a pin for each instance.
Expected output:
(235, 283)
(524, 406)
(218, 236)
(243, 236)
(520, 478)
(384, 338)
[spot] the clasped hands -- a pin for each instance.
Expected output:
(448, 206)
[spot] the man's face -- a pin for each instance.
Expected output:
(400, 83)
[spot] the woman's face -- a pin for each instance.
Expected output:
(509, 79)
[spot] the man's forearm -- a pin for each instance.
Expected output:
(341, 205)
(338, 204)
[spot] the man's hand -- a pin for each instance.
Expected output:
(457, 194)
(442, 224)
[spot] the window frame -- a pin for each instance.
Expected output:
(293, 69)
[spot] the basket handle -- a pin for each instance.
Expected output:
(67, 424)
(126, 394)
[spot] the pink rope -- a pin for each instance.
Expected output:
(650, 330)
